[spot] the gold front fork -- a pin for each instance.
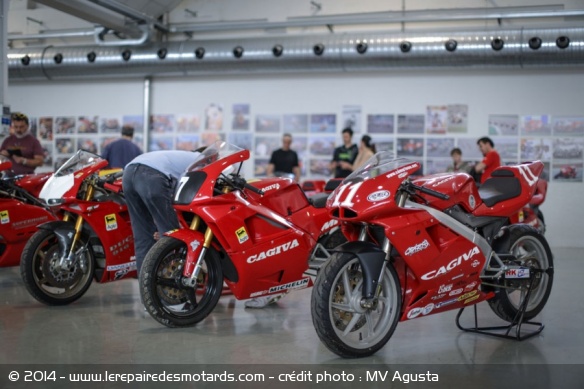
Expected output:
(68, 260)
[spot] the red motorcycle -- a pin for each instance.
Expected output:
(261, 237)
(425, 247)
(93, 239)
(20, 211)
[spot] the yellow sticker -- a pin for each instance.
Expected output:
(472, 299)
(241, 235)
(111, 222)
(4, 217)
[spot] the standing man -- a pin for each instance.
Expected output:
(22, 147)
(345, 155)
(491, 159)
(120, 152)
(284, 160)
(149, 181)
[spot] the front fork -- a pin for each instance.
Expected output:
(66, 261)
(386, 247)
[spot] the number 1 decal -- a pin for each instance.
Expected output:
(348, 201)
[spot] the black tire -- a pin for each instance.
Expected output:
(43, 281)
(541, 222)
(342, 272)
(531, 249)
(165, 298)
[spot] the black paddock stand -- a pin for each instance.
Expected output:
(517, 321)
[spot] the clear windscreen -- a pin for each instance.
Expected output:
(80, 160)
(381, 163)
(215, 152)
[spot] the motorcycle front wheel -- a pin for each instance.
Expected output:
(344, 326)
(165, 297)
(530, 249)
(43, 277)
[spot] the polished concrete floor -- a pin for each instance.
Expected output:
(108, 325)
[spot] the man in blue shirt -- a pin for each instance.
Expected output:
(149, 182)
(120, 152)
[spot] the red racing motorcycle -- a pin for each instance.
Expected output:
(260, 237)
(417, 248)
(93, 240)
(20, 211)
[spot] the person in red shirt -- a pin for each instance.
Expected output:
(491, 159)
(22, 147)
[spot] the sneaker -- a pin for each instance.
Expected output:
(261, 302)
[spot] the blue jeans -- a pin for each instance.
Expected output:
(149, 195)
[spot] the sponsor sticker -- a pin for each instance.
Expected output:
(330, 224)
(517, 273)
(378, 196)
(241, 234)
(470, 286)
(273, 251)
(427, 309)
(4, 217)
(472, 299)
(439, 296)
(270, 187)
(111, 223)
(413, 313)
(445, 303)
(475, 263)
(303, 283)
(128, 265)
(468, 295)
(471, 201)
(417, 248)
(453, 264)
(445, 288)
(455, 292)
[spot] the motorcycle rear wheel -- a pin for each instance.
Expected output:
(44, 281)
(342, 324)
(165, 298)
(530, 249)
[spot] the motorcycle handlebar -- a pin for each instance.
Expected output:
(430, 192)
(253, 189)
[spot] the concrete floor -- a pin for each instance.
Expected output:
(109, 326)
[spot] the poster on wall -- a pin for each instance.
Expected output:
(320, 167)
(437, 165)
(322, 146)
(439, 147)
(188, 123)
(265, 145)
(384, 143)
(136, 121)
(532, 149)
(436, 119)
(160, 142)
(568, 148)
(65, 124)
(300, 145)
(323, 123)
(532, 125)
(89, 143)
(267, 124)
(33, 127)
(410, 147)
(45, 128)
(294, 124)
(507, 148)
(568, 125)
(504, 125)
(48, 150)
(261, 167)
(87, 124)
(351, 118)
(410, 124)
(209, 138)
(65, 145)
(214, 117)
(567, 171)
(458, 118)
(187, 142)
(380, 124)
(470, 149)
(161, 124)
(245, 141)
(110, 125)
(240, 113)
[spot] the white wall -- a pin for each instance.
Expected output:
(501, 91)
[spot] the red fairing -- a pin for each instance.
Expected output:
(33, 183)
(460, 187)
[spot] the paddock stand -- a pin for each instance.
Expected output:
(517, 323)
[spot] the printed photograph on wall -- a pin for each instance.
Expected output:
(295, 123)
(437, 165)
(545, 175)
(48, 150)
(351, 118)
(410, 147)
(323, 123)
(214, 117)
(535, 125)
(380, 124)
(503, 125)
(110, 124)
(458, 118)
(87, 124)
(65, 145)
(209, 138)
(507, 148)
(265, 145)
(568, 125)
(568, 148)
(245, 141)
(320, 167)
(136, 121)
(300, 145)
(188, 123)
(439, 147)
(261, 167)
(60, 160)
(65, 124)
(532, 149)
(32, 127)
(161, 124)
(187, 142)
(568, 171)
(322, 146)
(106, 140)
(88, 143)
(267, 123)
(470, 149)
(383, 143)
(436, 119)
(45, 128)
(158, 143)
(240, 114)
(410, 124)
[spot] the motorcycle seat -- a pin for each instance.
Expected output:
(318, 200)
(502, 185)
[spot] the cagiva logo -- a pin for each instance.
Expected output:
(270, 187)
(451, 265)
(273, 251)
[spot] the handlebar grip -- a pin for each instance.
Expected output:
(253, 189)
(431, 192)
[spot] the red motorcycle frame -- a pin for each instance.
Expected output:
(20, 212)
(424, 247)
(258, 236)
(92, 241)
(531, 214)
